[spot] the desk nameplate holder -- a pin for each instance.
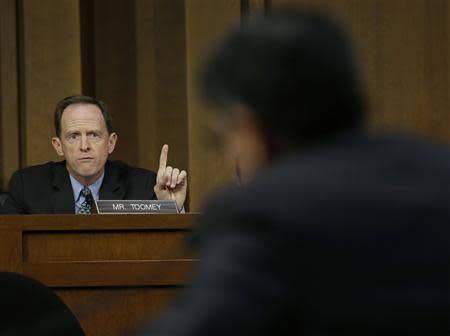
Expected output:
(116, 207)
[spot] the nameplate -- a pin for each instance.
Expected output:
(135, 206)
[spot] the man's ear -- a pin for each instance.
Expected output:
(250, 127)
(56, 142)
(112, 142)
(248, 141)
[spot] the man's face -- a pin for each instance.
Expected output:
(84, 142)
(244, 140)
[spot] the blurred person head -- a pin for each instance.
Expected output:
(84, 136)
(283, 81)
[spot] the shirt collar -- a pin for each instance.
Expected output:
(94, 187)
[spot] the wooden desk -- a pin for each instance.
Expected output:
(112, 271)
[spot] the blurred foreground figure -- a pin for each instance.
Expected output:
(30, 308)
(339, 232)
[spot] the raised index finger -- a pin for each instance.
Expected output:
(163, 157)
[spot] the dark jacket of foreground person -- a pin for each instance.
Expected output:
(348, 238)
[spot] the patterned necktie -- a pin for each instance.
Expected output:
(86, 206)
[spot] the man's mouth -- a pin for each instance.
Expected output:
(86, 159)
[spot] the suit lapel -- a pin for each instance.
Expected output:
(62, 197)
(113, 187)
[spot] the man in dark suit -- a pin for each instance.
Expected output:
(339, 232)
(84, 137)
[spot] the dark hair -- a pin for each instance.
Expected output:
(294, 69)
(61, 106)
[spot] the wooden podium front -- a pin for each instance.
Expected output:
(114, 272)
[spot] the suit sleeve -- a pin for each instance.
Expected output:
(240, 289)
(14, 203)
(150, 184)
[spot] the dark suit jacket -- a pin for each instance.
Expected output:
(350, 237)
(46, 189)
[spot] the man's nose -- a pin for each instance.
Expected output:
(84, 143)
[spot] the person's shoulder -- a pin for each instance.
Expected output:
(41, 169)
(243, 208)
(343, 175)
(421, 148)
(411, 156)
(123, 169)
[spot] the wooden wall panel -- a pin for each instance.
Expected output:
(403, 47)
(144, 70)
(412, 77)
(114, 67)
(50, 70)
(252, 7)
(161, 82)
(208, 166)
(9, 105)
(138, 68)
